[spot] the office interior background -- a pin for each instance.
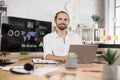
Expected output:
(80, 13)
(84, 9)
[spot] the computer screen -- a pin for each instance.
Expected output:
(21, 34)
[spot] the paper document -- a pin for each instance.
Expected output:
(38, 71)
(9, 67)
(44, 61)
(42, 71)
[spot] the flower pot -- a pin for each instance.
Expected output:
(71, 63)
(108, 73)
(95, 25)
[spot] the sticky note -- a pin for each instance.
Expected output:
(74, 1)
(102, 38)
(73, 27)
(73, 17)
(115, 37)
(108, 37)
(74, 9)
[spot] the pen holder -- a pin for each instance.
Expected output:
(71, 63)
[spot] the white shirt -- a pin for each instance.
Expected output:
(53, 44)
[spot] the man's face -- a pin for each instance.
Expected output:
(62, 21)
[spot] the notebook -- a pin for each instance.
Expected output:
(85, 53)
(37, 61)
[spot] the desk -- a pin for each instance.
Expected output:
(10, 57)
(19, 57)
(80, 75)
(108, 45)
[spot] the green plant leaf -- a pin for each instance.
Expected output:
(110, 57)
(95, 17)
(71, 55)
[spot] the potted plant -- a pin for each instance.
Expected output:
(71, 61)
(110, 57)
(96, 18)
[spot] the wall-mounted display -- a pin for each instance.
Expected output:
(20, 34)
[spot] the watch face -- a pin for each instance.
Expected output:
(68, 6)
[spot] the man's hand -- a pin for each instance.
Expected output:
(56, 58)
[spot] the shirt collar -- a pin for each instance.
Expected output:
(56, 35)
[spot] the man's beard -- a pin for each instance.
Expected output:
(62, 27)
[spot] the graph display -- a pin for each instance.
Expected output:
(21, 34)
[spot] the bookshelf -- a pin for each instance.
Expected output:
(91, 35)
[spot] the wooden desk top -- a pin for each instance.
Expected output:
(81, 73)
(9, 57)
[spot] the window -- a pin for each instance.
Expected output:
(117, 23)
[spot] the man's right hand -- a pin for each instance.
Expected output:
(56, 58)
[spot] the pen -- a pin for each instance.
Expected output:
(91, 71)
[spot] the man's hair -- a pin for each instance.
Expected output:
(59, 13)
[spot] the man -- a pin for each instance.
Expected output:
(56, 44)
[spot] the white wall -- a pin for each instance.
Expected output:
(46, 9)
(89, 7)
(34, 9)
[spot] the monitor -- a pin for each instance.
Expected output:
(22, 34)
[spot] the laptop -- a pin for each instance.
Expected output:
(85, 53)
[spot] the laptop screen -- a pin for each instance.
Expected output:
(85, 53)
